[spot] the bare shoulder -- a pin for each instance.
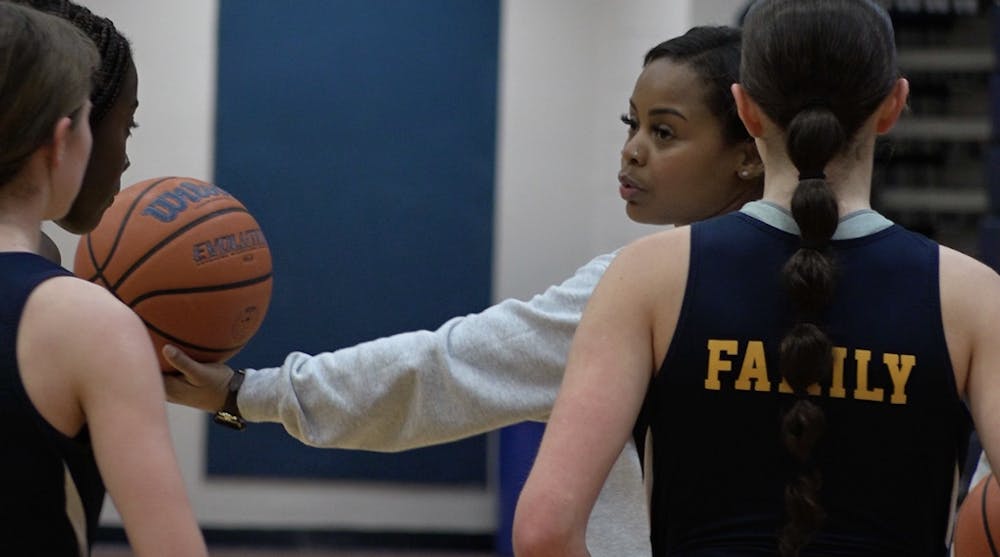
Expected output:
(80, 307)
(651, 266)
(970, 304)
(94, 330)
(662, 252)
(965, 277)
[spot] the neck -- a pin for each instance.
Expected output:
(16, 237)
(850, 177)
(745, 196)
(740, 198)
(23, 208)
(853, 191)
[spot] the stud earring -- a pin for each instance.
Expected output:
(744, 173)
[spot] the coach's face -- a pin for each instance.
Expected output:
(108, 160)
(676, 167)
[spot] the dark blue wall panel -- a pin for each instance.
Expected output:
(361, 135)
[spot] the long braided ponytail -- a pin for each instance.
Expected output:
(818, 69)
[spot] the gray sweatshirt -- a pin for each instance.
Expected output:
(474, 374)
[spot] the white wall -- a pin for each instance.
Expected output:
(716, 12)
(567, 70)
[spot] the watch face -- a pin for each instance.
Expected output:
(229, 420)
(229, 415)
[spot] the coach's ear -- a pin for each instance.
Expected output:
(748, 110)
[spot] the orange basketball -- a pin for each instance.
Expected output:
(189, 259)
(977, 527)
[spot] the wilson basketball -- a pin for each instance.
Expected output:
(189, 259)
(977, 527)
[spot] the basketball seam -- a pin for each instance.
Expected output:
(98, 273)
(175, 340)
(99, 268)
(197, 289)
(159, 245)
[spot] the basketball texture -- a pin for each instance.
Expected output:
(189, 259)
(977, 528)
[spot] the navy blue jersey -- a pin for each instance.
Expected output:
(896, 427)
(52, 491)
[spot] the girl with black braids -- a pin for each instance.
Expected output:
(805, 359)
(114, 98)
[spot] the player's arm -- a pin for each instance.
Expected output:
(971, 326)
(610, 365)
(474, 374)
(116, 377)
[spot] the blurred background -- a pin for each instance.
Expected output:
(410, 161)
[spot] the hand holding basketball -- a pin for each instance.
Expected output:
(189, 259)
(198, 385)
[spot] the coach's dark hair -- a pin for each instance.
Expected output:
(113, 47)
(713, 52)
(818, 69)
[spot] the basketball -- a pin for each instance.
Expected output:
(189, 259)
(977, 528)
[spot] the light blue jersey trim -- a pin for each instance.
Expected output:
(853, 225)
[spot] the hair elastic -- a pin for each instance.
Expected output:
(815, 244)
(818, 175)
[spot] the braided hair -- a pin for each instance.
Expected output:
(113, 47)
(818, 69)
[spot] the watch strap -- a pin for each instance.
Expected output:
(229, 415)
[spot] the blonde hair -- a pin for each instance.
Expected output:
(46, 73)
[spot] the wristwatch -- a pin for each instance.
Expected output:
(230, 416)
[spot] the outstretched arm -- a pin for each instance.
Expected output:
(473, 374)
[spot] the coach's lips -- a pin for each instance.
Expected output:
(628, 188)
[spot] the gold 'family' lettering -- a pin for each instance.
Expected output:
(723, 354)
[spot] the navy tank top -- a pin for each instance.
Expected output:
(52, 490)
(896, 427)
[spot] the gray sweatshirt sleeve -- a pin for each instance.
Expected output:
(474, 374)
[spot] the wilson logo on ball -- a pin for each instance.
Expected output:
(167, 205)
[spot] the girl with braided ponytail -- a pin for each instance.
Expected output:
(805, 360)
(114, 98)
